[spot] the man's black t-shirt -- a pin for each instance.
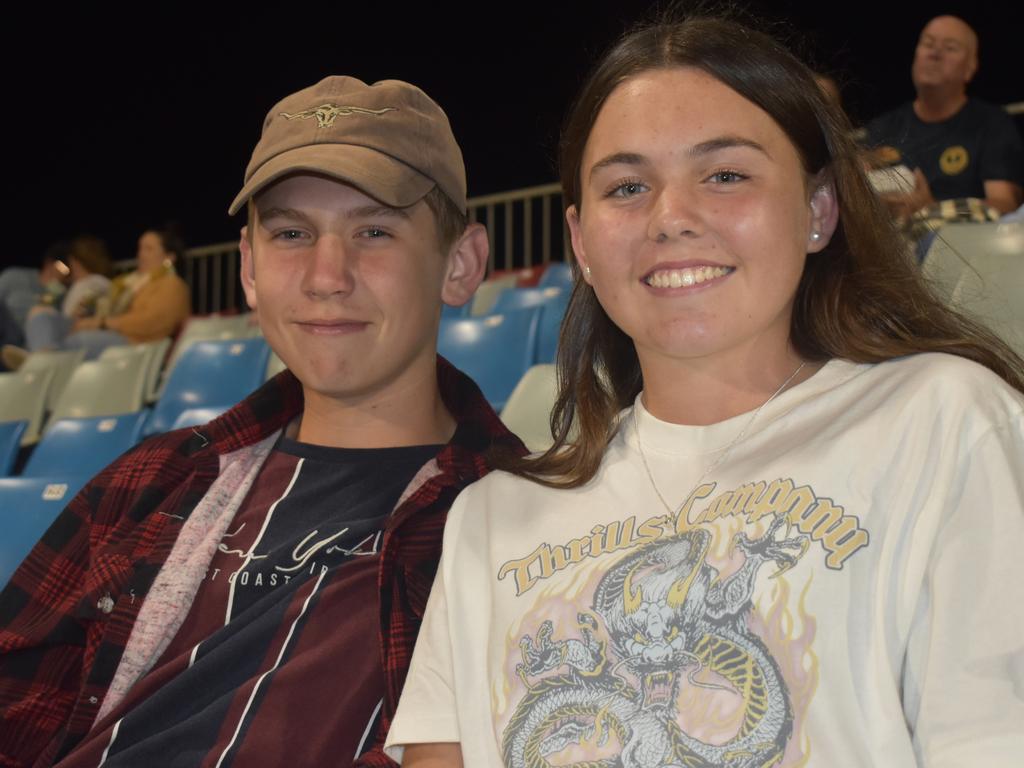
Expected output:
(979, 143)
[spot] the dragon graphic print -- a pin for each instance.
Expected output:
(650, 651)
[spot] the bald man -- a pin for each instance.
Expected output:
(958, 147)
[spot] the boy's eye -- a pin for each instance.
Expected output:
(289, 234)
(627, 189)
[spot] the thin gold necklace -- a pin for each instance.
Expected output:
(724, 451)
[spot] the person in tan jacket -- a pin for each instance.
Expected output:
(152, 302)
(148, 304)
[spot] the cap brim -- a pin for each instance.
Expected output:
(381, 177)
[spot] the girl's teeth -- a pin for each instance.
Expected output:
(678, 278)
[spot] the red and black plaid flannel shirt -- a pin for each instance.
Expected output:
(59, 649)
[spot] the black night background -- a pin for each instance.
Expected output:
(119, 121)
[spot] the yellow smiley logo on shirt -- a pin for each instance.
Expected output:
(954, 160)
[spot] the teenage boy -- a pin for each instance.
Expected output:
(248, 592)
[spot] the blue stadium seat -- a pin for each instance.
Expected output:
(512, 299)
(84, 446)
(558, 275)
(454, 313)
(154, 353)
(195, 416)
(210, 373)
(548, 328)
(208, 328)
(488, 291)
(27, 507)
(10, 440)
(23, 396)
(495, 350)
(62, 362)
(103, 388)
(528, 410)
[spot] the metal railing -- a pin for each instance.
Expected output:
(511, 218)
(212, 273)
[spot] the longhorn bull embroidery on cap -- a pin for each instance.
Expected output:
(325, 114)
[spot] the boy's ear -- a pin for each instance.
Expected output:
(248, 270)
(467, 264)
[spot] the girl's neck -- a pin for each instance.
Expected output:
(688, 392)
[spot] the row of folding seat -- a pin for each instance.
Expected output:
(209, 373)
(73, 446)
(64, 362)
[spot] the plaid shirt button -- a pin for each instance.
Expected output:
(106, 603)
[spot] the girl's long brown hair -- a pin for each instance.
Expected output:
(861, 298)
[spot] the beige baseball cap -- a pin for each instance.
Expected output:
(389, 139)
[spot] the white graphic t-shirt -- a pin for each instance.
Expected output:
(845, 589)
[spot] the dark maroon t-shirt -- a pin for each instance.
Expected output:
(278, 660)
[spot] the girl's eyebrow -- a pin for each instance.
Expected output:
(725, 142)
(697, 150)
(618, 158)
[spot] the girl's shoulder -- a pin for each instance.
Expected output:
(943, 379)
(929, 393)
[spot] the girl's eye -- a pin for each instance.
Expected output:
(726, 177)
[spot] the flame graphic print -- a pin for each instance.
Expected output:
(658, 656)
